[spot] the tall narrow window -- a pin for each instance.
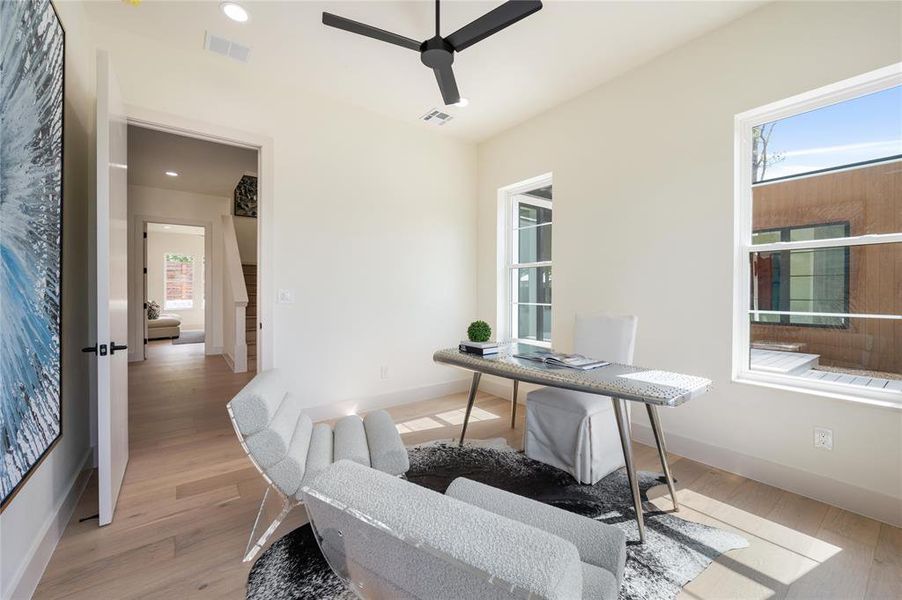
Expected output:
(526, 307)
(819, 240)
(179, 273)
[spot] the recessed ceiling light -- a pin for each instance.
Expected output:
(167, 226)
(172, 173)
(234, 11)
(462, 102)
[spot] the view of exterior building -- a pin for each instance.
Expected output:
(833, 280)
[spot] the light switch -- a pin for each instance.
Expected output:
(286, 297)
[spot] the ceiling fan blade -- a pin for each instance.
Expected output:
(492, 22)
(444, 75)
(370, 31)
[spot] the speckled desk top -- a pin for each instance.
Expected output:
(652, 386)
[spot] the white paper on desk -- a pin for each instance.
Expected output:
(658, 378)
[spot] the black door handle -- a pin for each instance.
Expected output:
(114, 347)
(92, 349)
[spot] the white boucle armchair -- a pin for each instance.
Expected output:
(288, 449)
(389, 538)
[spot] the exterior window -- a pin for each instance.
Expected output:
(179, 272)
(526, 307)
(819, 240)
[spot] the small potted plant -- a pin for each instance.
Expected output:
(477, 342)
(479, 331)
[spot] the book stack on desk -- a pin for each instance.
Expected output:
(478, 348)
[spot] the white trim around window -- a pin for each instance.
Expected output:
(868, 83)
(505, 252)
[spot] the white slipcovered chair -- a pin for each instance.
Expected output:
(288, 449)
(575, 431)
(389, 538)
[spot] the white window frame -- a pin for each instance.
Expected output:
(507, 219)
(179, 304)
(848, 89)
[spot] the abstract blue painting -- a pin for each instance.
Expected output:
(32, 65)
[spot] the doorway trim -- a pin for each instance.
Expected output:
(222, 134)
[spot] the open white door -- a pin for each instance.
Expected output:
(112, 288)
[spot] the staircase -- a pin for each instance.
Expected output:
(250, 282)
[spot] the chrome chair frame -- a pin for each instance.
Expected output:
(254, 543)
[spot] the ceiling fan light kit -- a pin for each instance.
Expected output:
(437, 52)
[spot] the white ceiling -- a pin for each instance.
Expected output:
(203, 167)
(183, 229)
(561, 51)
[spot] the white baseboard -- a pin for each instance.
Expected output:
(362, 405)
(212, 350)
(38, 555)
(228, 358)
(876, 505)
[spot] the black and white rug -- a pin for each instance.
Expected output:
(674, 553)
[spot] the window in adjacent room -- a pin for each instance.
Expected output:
(179, 273)
(819, 240)
(525, 311)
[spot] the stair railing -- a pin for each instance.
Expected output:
(234, 300)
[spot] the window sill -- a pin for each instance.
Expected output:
(847, 393)
(532, 343)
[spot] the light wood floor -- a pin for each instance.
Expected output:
(190, 497)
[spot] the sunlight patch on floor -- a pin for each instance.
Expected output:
(456, 417)
(421, 424)
(765, 529)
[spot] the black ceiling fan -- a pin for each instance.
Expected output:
(437, 52)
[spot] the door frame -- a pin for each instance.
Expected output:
(136, 270)
(223, 134)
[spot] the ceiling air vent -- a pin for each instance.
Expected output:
(228, 48)
(436, 117)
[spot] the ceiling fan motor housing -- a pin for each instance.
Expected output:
(436, 53)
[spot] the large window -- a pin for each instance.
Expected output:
(819, 240)
(178, 270)
(526, 306)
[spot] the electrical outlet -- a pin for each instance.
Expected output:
(383, 371)
(286, 297)
(823, 438)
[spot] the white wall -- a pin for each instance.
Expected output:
(33, 521)
(246, 232)
(159, 244)
(373, 225)
(184, 208)
(643, 196)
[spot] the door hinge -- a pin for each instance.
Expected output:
(145, 235)
(145, 270)
(145, 306)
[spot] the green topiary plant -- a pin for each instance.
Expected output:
(479, 331)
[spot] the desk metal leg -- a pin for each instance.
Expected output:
(514, 405)
(623, 425)
(474, 387)
(662, 451)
